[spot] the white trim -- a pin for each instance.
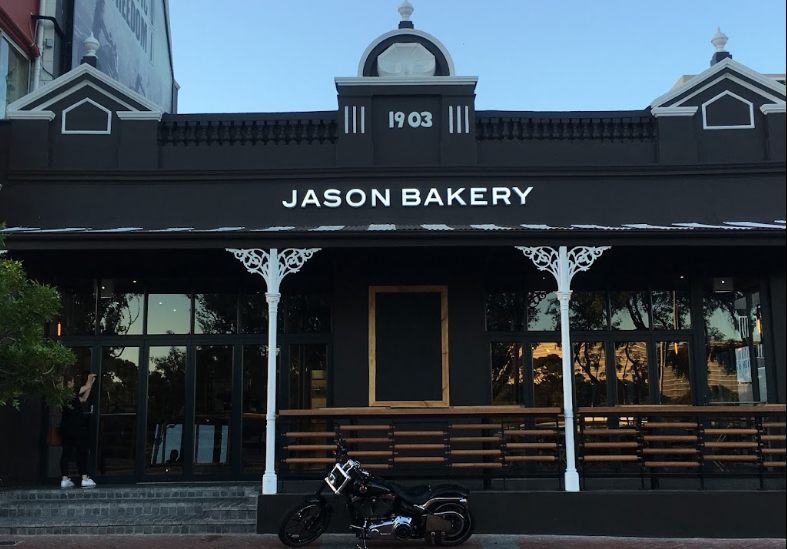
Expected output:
(673, 111)
(73, 75)
(140, 115)
(78, 87)
(346, 119)
(31, 115)
(706, 126)
(64, 117)
(773, 108)
(405, 32)
(735, 79)
(363, 119)
(766, 82)
(425, 81)
(450, 119)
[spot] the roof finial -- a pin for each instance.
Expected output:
(406, 10)
(719, 39)
(91, 46)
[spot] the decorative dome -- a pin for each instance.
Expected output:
(406, 53)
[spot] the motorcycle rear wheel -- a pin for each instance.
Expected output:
(302, 525)
(462, 528)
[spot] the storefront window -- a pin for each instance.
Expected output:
(166, 405)
(255, 399)
(308, 377)
(630, 310)
(631, 368)
(117, 426)
(547, 374)
(588, 311)
(215, 313)
(504, 311)
(15, 71)
(254, 314)
(590, 373)
(169, 314)
(543, 311)
(120, 307)
(212, 408)
(306, 314)
(78, 312)
(507, 379)
(730, 342)
(671, 310)
(672, 364)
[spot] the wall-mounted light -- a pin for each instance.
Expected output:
(723, 284)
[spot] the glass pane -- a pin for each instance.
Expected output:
(727, 335)
(756, 323)
(631, 367)
(254, 314)
(169, 314)
(672, 363)
(507, 378)
(590, 373)
(588, 311)
(255, 398)
(671, 310)
(215, 313)
(15, 69)
(630, 310)
(504, 312)
(213, 408)
(306, 314)
(120, 308)
(117, 426)
(543, 311)
(78, 313)
(166, 404)
(308, 379)
(547, 374)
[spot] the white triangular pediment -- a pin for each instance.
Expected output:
(31, 105)
(766, 87)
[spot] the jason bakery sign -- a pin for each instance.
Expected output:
(408, 197)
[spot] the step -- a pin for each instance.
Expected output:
(140, 524)
(115, 492)
(234, 508)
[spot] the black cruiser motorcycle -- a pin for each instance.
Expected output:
(380, 509)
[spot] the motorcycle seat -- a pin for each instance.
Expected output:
(416, 495)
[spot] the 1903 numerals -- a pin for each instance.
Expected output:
(396, 119)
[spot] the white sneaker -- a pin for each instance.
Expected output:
(66, 483)
(88, 483)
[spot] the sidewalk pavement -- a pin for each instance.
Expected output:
(336, 541)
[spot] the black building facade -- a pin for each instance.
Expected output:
(411, 295)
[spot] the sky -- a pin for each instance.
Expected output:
(528, 55)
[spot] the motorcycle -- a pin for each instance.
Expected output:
(380, 509)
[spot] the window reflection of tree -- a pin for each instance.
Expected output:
(216, 313)
(166, 400)
(507, 378)
(674, 386)
(671, 310)
(727, 335)
(306, 314)
(587, 310)
(629, 310)
(504, 312)
(543, 311)
(590, 374)
(632, 368)
(118, 313)
(547, 375)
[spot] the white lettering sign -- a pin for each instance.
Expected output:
(409, 197)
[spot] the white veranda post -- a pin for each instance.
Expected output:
(564, 264)
(273, 266)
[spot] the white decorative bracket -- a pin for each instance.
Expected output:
(273, 267)
(563, 265)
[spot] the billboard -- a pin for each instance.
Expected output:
(134, 44)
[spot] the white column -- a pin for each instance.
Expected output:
(564, 265)
(273, 267)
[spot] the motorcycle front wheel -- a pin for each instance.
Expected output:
(302, 525)
(461, 520)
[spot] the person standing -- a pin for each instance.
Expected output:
(74, 432)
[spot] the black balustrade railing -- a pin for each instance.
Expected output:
(521, 128)
(182, 131)
(648, 443)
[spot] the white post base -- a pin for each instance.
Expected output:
(269, 484)
(571, 480)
